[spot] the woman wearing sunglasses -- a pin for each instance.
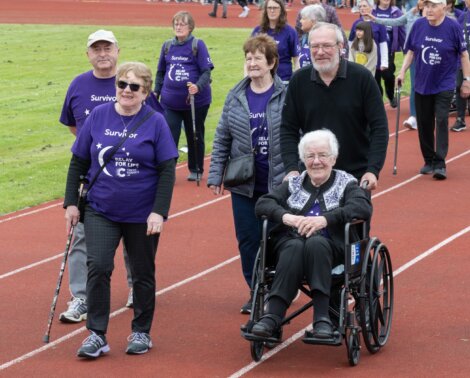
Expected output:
(184, 70)
(126, 151)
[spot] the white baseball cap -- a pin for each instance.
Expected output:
(101, 35)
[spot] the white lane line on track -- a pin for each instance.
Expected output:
(80, 330)
(300, 333)
(19, 270)
(13, 217)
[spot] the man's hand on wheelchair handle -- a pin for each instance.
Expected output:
(371, 179)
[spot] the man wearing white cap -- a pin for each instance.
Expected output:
(86, 91)
(436, 45)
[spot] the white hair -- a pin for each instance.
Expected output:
(323, 134)
(314, 12)
(327, 25)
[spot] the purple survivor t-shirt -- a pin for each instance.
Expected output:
(85, 93)
(182, 66)
(125, 190)
(436, 54)
(258, 102)
(287, 48)
(379, 33)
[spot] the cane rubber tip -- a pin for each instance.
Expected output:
(394, 171)
(45, 339)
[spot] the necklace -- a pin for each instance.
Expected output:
(124, 131)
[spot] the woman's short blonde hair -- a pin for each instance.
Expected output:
(140, 70)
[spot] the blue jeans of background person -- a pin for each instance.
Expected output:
(412, 90)
(174, 119)
(432, 113)
(248, 231)
(102, 238)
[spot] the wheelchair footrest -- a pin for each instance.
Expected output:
(336, 340)
(252, 337)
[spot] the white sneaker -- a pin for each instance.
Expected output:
(410, 123)
(76, 312)
(244, 13)
(130, 299)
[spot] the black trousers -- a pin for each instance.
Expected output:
(299, 258)
(388, 77)
(102, 239)
(174, 119)
(432, 115)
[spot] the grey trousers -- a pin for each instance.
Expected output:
(77, 264)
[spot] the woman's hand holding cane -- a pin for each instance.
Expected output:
(72, 215)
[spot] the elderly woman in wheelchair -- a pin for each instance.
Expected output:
(309, 213)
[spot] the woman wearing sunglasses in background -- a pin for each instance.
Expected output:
(184, 69)
(129, 196)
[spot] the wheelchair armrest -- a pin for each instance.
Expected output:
(355, 223)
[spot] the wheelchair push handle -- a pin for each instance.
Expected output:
(364, 184)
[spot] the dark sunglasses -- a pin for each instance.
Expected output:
(123, 85)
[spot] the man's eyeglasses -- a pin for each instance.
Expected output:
(132, 86)
(323, 157)
(327, 47)
(273, 9)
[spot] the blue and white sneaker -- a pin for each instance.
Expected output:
(76, 311)
(139, 343)
(93, 346)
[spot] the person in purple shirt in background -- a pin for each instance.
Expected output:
(274, 23)
(378, 31)
(130, 199)
(462, 103)
(184, 69)
(330, 17)
(395, 42)
(436, 45)
(86, 91)
(310, 15)
(250, 123)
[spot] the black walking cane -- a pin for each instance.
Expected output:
(193, 116)
(397, 96)
(62, 269)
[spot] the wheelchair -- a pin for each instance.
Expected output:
(361, 299)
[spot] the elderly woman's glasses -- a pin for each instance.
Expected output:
(323, 157)
(132, 86)
(180, 24)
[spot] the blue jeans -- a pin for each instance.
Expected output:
(248, 231)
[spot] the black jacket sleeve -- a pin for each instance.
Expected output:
(78, 168)
(166, 171)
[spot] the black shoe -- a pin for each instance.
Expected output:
(323, 329)
(224, 15)
(246, 308)
(393, 103)
(459, 125)
(212, 14)
(439, 174)
(426, 169)
(266, 326)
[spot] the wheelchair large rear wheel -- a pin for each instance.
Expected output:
(381, 295)
(376, 296)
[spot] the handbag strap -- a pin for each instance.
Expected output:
(115, 148)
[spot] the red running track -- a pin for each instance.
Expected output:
(425, 224)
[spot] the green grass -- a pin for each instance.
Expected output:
(36, 66)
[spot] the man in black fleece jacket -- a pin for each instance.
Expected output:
(340, 96)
